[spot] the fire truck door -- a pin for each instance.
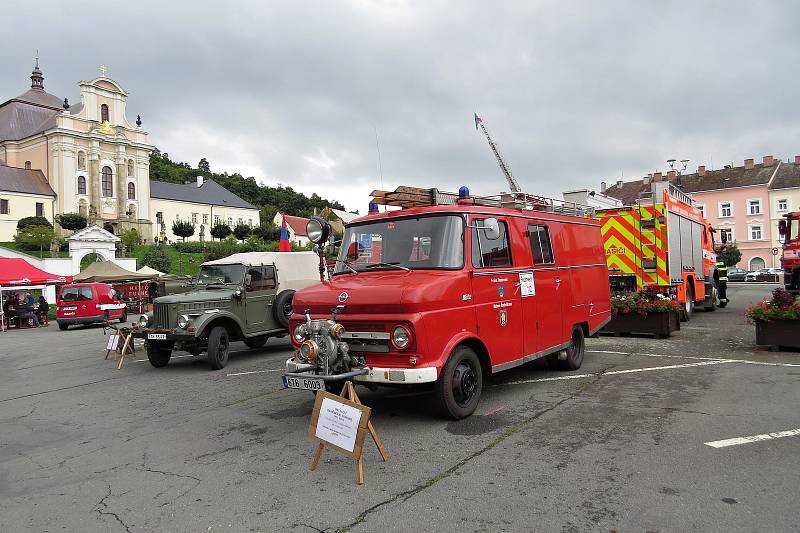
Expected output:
(543, 311)
(495, 295)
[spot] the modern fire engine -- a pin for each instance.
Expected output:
(663, 243)
(449, 289)
(789, 230)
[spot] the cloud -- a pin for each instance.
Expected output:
(295, 92)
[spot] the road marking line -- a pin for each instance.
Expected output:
(752, 438)
(255, 372)
(743, 361)
(617, 372)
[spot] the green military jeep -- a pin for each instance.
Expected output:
(246, 296)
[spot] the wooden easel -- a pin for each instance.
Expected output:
(349, 393)
(127, 347)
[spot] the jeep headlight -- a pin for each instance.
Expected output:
(143, 321)
(183, 321)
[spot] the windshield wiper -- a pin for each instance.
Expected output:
(347, 265)
(395, 264)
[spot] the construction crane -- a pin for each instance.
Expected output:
(506, 171)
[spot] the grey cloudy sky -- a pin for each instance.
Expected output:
(293, 92)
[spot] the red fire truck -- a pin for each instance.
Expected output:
(449, 289)
(789, 230)
(663, 243)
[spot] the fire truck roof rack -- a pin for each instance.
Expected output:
(409, 197)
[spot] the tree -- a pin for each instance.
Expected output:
(267, 232)
(156, 257)
(183, 229)
(729, 253)
(34, 238)
(242, 231)
(220, 231)
(131, 238)
(71, 221)
(26, 222)
(204, 165)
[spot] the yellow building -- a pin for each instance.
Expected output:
(95, 161)
(23, 193)
(204, 203)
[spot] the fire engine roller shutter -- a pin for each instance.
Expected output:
(685, 244)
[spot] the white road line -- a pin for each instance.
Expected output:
(753, 438)
(255, 372)
(743, 361)
(617, 372)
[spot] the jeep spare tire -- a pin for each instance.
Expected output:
(282, 308)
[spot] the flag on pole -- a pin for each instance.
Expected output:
(284, 245)
(477, 120)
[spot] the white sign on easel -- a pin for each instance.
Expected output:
(338, 424)
(526, 284)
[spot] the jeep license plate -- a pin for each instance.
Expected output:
(303, 383)
(156, 336)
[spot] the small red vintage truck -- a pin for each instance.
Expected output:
(789, 231)
(449, 289)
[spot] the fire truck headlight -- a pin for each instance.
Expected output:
(401, 337)
(318, 230)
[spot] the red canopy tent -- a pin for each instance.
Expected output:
(17, 274)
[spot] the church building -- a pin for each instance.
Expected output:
(87, 157)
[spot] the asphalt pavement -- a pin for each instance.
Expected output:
(649, 435)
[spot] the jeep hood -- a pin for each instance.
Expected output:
(383, 292)
(206, 295)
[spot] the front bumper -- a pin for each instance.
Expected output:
(169, 335)
(375, 374)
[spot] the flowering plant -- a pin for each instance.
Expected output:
(782, 305)
(642, 302)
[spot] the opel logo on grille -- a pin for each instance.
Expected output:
(343, 297)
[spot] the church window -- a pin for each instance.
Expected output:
(81, 185)
(160, 217)
(131, 191)
(27, 165)
(39, 209)
(107, 182)
(104, 113)
(81, 160)
(130, 167)
(4, 207)
(205, 219)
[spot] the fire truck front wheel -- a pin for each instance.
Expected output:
(460, 383)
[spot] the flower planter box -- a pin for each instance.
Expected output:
(659, 324)
(778, 333)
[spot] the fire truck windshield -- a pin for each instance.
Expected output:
(427, 242)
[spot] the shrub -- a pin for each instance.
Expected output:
(242, 231)
(183, 229)
(130, 238)
(191, 247)
(268, 232)
(220, 231)
(782, 306)
(71, 221)
(156, 257)
(33, 238)
(27, 222)
(218, 250)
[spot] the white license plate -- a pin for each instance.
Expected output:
(70, 308)
(303, 383)
(156, 336)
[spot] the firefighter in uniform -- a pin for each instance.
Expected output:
(722, 270)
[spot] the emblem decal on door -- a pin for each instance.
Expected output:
(466, 297)
(343, 297)
(503, 317)
(501, 290)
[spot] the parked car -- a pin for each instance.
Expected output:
(88, 303)
(736, 274)
(765, 274)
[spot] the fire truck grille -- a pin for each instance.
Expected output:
(160, 316)
(372, 327)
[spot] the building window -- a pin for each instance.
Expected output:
(205, 219)
(725, 209)
(194, 218)
(107, 182)
(81, 185)
(754, 207)
(783, 204)
(216, 220)
(728, 232)
(27, 165)
(230, 221)
(4, 207)
(250, 222)
(130, 168)
(39, 209)
(104, 113)
(131, 191)
(702, 209)
(755, 232)
(81, 160)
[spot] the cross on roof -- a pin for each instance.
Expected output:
(103, 70)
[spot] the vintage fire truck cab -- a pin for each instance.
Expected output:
(449, 289)
(789, 231)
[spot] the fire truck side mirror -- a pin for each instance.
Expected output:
(782, 227)
(491, 228)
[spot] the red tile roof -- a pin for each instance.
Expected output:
(298, 224)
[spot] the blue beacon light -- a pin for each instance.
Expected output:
(373, 208)
(463, 192)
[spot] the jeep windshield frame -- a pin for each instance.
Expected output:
(232, 274)
(422, 242)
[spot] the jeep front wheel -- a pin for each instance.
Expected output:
(159, 352)
(218, 347)
(460, 383)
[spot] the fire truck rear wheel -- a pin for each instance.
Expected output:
(459, 386)
(218, 348)
(714, 298)
(575, 350)
(688, 305)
